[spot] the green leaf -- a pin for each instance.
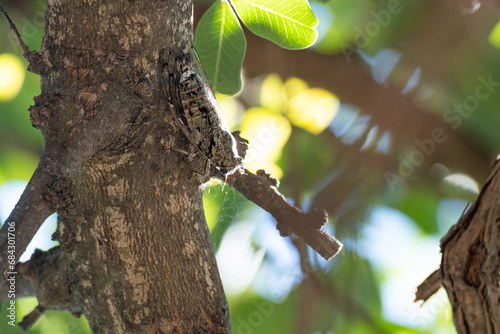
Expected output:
(221, 204)
(288, 23)
(221, 45)
(250, 313)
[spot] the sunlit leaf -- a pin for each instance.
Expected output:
(267, 132)
(288, 23)
(221, 205)
(11, 76)
(271, 93)
(210, 205)
(294, 86)
(494, 37)
(313, 109)
(221, 45)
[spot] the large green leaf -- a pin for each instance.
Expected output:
(288, 23)
(221, 45)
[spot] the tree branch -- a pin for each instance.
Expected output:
(469, 267)
(45, 276)
(430, 286)
(23, 45)
(39, 200)
(261, 188)
(33, 57)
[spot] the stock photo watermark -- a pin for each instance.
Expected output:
(11, 274)
(453, 116)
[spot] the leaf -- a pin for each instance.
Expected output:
(267, 132)
(288, 23)
(494, 37)
(12, 74)
(221, 205)
(271, 93)
(221, 45)
(313, 109)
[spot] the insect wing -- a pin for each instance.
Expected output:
(196, 108)
(171, 72)
(198, 113)
(216, 118)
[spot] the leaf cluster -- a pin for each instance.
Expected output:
(220, 40)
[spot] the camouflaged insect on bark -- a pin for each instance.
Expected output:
(198, 112)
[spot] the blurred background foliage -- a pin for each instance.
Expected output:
(390, 123)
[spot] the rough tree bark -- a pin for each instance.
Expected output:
(470, 268)
(135, 254)
(133, 237)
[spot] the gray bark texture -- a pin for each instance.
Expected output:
(135, 254)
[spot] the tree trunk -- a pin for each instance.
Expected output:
(471, 263)
(136, 255)
(470, 267)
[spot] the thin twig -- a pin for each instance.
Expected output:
(25, 48)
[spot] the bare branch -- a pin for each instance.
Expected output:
(23, 45)
(37, 202)
(262, 190)
(430, 286)
(33, 57)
